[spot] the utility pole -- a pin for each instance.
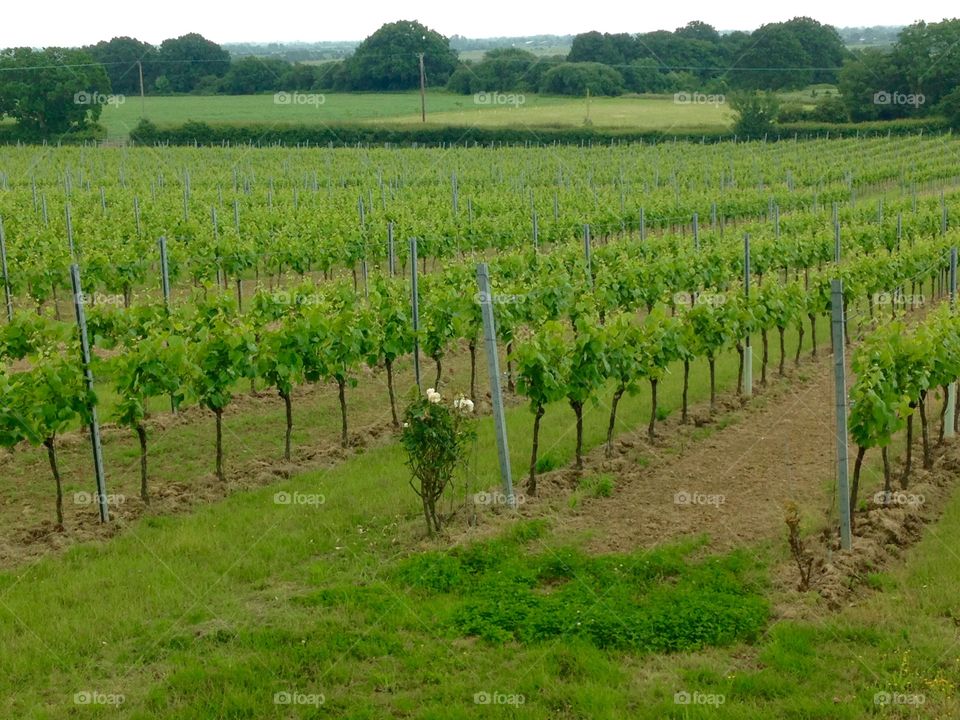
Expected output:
(143, 111)
(423, 91)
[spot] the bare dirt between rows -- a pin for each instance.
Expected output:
(729, 484)
(732, 484)
(882, 531)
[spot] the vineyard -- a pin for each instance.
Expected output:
(185, 326)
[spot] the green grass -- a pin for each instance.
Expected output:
(654, 112)
(637, 112)
(810, 95)
(212, 614)
(645, 601)
(228, 598)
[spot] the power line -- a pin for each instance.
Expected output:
(535, 61)
(131, 64)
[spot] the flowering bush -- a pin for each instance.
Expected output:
(434, 437)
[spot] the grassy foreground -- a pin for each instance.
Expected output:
(317, 608)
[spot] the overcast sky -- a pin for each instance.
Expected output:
(71, 23)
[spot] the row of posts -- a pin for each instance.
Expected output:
(483, 281)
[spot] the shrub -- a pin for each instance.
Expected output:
(831, 110)
(579, 78)
(756, 113)
(435, 438)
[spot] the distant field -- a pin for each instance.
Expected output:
(810, 95)
(477, 55)
(404, 108)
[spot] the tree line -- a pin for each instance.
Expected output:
(57, 90)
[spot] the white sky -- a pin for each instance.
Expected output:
(71, 23)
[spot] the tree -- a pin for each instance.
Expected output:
(823, 48)
(912, 78)
(711, 329)
(588, 369)
(387, 60)
(687, 54)
(347, 334)
(122, 58)
(878, 404)
(500, 70)
(543, 365)
(697, 30)
(469, 318)
(464, 80)
(580, 78)
(440, 324)
(224, 354)
(657, 347)
(152, 366)
(186, 60)
(949, 107)
(40, 403)
(622, 343)
(770, 311)
(51, 91)
(756, 113)
(250, 75)
(943, 338)
(644, 76)
(868, 72)
(301, 77)
(395, 339)
(790, 54)
(595, 47)
(831, 110)
(928, 58)
(506, 69)
(912, 367)
(280, 354)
